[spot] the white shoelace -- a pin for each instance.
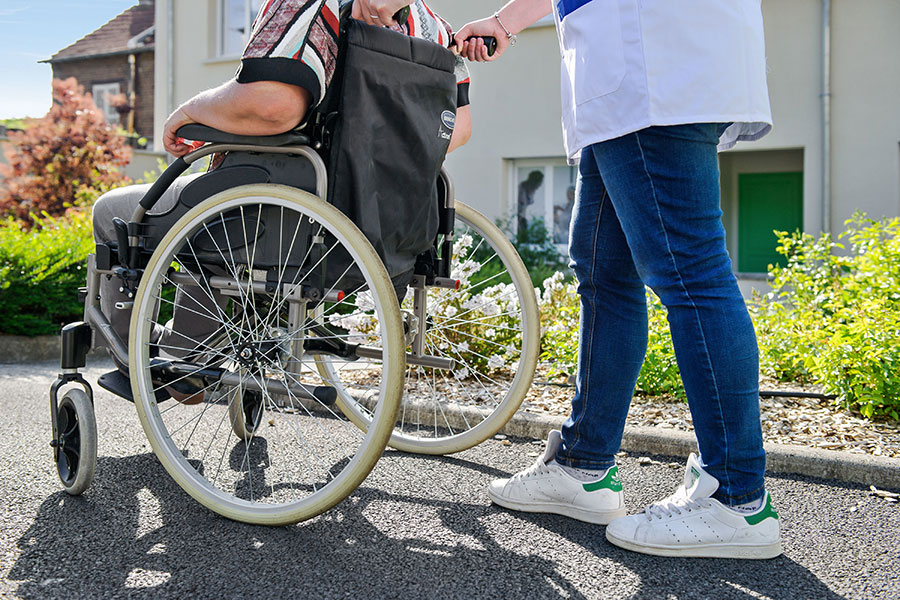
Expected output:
(674, 505)
(538, 468)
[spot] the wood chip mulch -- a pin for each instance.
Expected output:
(806, 422)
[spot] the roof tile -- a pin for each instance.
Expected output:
(114, 36)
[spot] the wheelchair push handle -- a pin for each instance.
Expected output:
(402, 16)
(489, 41)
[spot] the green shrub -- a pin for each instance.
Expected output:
(535, 247)
(560, 313)
(40, 272)
(659, 374)
(833, 318)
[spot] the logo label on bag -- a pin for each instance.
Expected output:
(448, 119)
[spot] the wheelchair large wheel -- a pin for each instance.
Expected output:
(488, 328)
(297, 455)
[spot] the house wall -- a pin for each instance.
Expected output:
(145, 81)
(196, 66)
(522, 119)
(516, 105)
(115, 69)
(516, 110)
(865, 136)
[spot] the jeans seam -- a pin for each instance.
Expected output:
(655, 197)
(596, 232)
(583, 463)
(742, 499)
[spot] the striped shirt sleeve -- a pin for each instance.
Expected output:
(294, 42)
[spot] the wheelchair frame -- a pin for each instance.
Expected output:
(127, 258)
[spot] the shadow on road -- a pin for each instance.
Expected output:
(125, 538)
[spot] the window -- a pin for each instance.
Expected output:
(103, 94)
(544, 189)
(235, 23)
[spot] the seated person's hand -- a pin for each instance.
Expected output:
(173, 144)
(377, 12)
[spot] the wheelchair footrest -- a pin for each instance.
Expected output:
(119, 384)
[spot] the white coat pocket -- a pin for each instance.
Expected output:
(591, 41)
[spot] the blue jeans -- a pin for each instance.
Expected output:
(647, 211)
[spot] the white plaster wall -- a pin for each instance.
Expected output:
(866, 108)
(196, 66)
(515, 109)
(144, 162)
(516, 106)
(793, 51)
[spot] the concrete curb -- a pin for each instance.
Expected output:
(879, 471)
(17, 349)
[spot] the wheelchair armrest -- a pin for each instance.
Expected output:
(202, 133)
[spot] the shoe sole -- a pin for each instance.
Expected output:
(747, 551)
(573, 512)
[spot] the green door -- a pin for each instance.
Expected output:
(766, 202)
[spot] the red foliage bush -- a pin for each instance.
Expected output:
(69, 149)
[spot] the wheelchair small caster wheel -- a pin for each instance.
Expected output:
(75, 446)
(245, 410)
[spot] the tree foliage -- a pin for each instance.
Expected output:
(54, 157)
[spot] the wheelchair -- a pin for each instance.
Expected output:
(311, 371)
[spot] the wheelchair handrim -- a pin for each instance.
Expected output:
(374, 439)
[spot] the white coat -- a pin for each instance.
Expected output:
(630, 64)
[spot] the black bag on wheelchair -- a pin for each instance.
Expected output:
(389, 113)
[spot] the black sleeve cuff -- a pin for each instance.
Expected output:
(462, 94)
(285, 70)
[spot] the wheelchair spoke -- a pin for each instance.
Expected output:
(207, 290)
(456, 331)
(482, 321)
(262, 439)
(482, 305)
(486, 325)
(179, 403)
(347, 454)
(231, 266)
(214, 436)
(456, 351)
(295, 282)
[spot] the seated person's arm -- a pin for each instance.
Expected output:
(275, 85)
(256, 108)
(463, 129)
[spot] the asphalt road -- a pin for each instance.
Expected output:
(418, 527)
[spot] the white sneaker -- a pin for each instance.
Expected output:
(691, 523)
(546, 488)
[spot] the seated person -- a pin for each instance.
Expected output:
(285, 70)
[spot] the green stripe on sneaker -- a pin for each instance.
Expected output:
(609, 482)
(764, 514)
